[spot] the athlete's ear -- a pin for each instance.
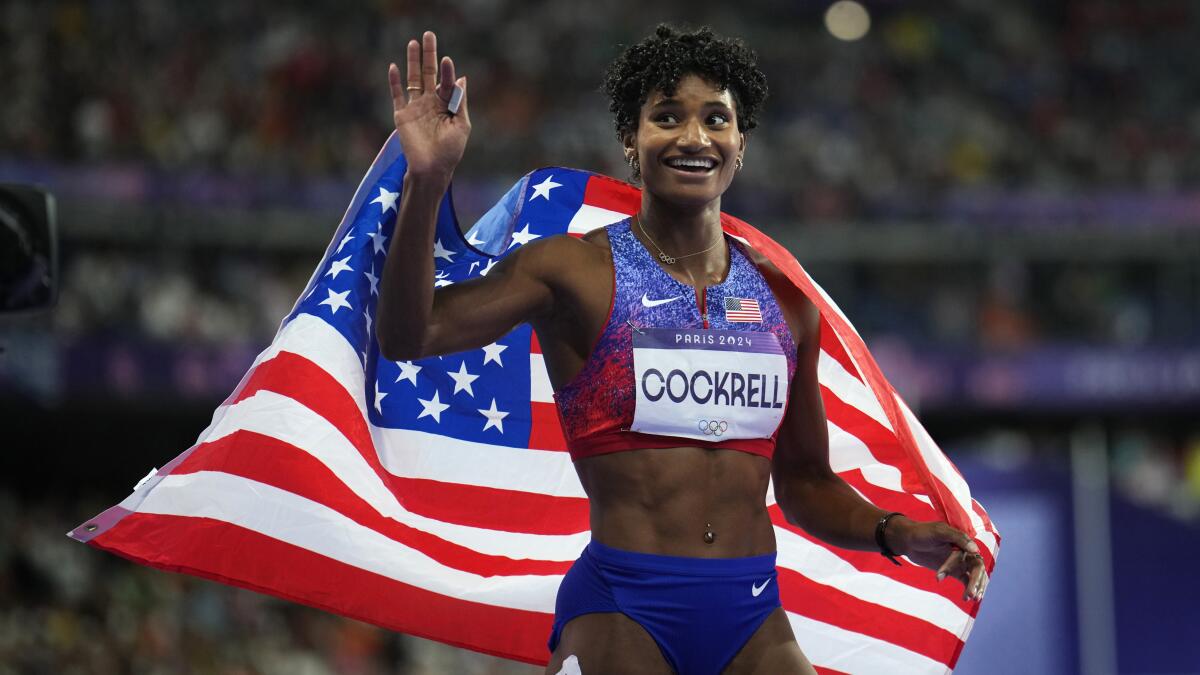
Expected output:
(629, 143)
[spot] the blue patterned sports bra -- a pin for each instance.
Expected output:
(675, 366)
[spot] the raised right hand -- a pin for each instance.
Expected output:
(432, 138)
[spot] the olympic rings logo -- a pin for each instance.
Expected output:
(713, 427)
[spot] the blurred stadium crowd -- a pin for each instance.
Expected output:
(991, 120)
(68, 610)
(943, 104)
(998, 115)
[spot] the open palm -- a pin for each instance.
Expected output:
(433, 138)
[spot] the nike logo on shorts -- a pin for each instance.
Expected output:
(647, 302)
(757, 590)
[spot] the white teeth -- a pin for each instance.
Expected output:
(699, 163)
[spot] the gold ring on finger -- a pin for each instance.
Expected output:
(415, 88)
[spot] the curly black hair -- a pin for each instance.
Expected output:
(659, 61)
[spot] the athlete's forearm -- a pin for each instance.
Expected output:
(829, 509)
(406, 288)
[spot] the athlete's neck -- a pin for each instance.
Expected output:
(683, 228)
(679, 231)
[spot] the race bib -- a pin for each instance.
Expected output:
(708, 384)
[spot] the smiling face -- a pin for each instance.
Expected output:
(687, 144)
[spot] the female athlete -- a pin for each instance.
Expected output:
(674, 452)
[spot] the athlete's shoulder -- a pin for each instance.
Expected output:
(797, 307)
(571, 246)
(557, 255)
(597, 237)
(592, 246)
(755, 256)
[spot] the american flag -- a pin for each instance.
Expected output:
(435, 497)
(742, 309)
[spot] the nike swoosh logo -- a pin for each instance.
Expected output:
(647, 302)
(757, 590)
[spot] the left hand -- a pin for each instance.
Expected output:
(938, 546)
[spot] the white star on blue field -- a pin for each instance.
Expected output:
(481, 394)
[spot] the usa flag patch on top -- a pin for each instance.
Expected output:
(742, 309)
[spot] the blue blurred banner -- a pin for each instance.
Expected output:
(1053, 377)
(1031, 610)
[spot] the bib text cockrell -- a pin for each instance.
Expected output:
(746, 390)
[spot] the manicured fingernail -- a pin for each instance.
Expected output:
(972, 547)
(941, 575)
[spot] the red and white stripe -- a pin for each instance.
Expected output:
(293, 492)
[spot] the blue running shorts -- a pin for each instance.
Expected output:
(700, 611)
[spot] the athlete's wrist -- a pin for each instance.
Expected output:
(428, 183)
(892, 535)
(896, 534)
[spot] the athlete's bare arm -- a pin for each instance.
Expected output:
(415, 320)
(811, 495)
(815, 498)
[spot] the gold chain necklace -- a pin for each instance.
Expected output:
(662, 255)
